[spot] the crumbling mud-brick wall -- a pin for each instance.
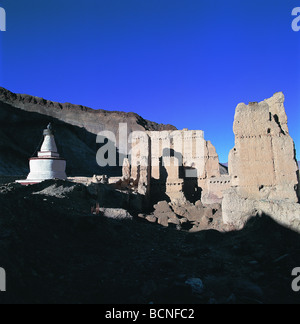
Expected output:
(263, 162)
(262, 165)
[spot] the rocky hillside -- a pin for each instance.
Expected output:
(91, 120)
(23, 118)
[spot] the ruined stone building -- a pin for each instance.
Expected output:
(263, 162)
(263, 171)
(262, 165)
(181, 167)
(182, 171)
(177, 166)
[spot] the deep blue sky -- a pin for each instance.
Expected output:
(183, 62)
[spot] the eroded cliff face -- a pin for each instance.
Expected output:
(94, 121)
(23, 117)
(262, 165)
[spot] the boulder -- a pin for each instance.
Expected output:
(163, 207)
(115, 213)
(183, 220)
(163, 220)
(175, 221)
(194, 214)
(180, 211)
(151, 219)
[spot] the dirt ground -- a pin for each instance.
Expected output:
(54, 251)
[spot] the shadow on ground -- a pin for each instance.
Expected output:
(54, 252)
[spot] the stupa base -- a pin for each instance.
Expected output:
(29, 182)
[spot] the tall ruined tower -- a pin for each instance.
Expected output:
(263, 167)
(263, 162)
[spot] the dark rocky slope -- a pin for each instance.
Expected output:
(21, 135)
(91, 120)
(23, 118)
(55, 252)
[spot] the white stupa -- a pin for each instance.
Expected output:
(48, 164)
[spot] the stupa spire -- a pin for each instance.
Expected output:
(49, 147)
